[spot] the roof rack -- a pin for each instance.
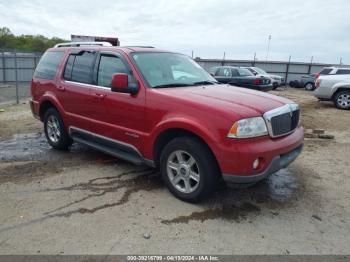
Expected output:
(75, 44)
(139, 46)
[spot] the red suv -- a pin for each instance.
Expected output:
(162, 109)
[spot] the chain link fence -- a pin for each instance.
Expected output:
(16, 71)
(17, 68)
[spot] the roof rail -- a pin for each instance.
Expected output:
(75, 44)
(138, 46)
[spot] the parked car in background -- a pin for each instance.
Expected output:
(333, 70)
(242, 77)
(308, 82)
(275, 79)
(334, 88)
(162, 109)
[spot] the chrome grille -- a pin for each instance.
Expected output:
(283, 120)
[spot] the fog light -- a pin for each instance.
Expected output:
(256, 163)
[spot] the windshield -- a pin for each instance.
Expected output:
(260, 71)
(170, 70)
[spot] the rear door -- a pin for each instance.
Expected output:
(74, 88)
(116, 116)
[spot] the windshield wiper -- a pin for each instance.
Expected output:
(205, 83)
(171, 85)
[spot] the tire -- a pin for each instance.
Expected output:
(292, 83)
(309, 86)
(342, 100)
(189, 169)
(55, 130)
(274, 86)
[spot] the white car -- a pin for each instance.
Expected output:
(275, 79)
(334, 88)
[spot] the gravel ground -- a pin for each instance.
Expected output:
(85, 202)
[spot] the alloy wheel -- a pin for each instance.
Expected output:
(183, 171)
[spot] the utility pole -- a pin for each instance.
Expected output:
(268, 47)
(341, 61)
(192, 54)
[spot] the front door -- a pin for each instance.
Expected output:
(117, 116)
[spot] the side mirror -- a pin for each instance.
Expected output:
(120, 84)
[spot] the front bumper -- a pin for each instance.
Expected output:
(277, 163)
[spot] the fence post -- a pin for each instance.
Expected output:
(3, 68)
(287, 70)
(16, 78)
(310, 65)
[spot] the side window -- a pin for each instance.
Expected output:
(325, 71)
(343, 72)
(108, 66)
(235, 72)
(69, 67)
(79, 68)
(223, 71)
(48, 65)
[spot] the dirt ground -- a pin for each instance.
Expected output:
(85, 202)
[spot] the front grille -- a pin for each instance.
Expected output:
(284, 123)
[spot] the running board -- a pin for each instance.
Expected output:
(112, 149)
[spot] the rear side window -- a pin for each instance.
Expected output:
(343, 72)
(326, 71)
(48, 65)
(223, 71)
(79, 68)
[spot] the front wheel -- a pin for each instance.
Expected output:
(274, 86)
(55, 131)
(342, 100)
(189, 169)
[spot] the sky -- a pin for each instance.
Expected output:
(240, 28)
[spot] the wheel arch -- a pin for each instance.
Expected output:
(166, 135)
(48, 101)
(338, 89)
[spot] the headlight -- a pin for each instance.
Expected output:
(249, 127)
(276, 78)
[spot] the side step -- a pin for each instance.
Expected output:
(112, 149)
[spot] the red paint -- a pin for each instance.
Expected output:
(139, 119)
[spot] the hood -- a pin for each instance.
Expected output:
(227, 98)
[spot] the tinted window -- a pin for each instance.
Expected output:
(48, 65)
(79, 68)
(343, 72)
(223, 71)
(69, 66)
(244, 72)
(235, 72)
(109, 65)
(325, 71)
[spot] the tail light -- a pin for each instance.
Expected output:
(257, 81)
(317, 75)
(318, 83)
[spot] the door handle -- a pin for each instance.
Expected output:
(99, 96)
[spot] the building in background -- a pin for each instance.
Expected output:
(85, 38)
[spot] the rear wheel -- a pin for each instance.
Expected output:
(342, 100)
(189, 169)
(55, 131)
(309, 86)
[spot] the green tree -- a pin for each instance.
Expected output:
(38, 43)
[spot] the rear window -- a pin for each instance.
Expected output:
(48, 65)
(79, 68)
(343, 72)
(326, 71)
